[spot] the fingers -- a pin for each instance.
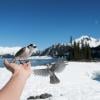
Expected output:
(27, 65)
(6, 63)
(13, 66)
(8, 66)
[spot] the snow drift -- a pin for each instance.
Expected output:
(76, 83)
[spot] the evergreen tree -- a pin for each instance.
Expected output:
(88, 54)
(71, 39)
(76, 51)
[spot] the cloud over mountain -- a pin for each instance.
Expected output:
(8, 50)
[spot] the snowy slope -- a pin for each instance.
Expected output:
(76, 83)
(89, 40)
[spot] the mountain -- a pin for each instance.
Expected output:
(8, 50)
(57, 50)
(7, 56)
(87, 39)
(71, 52)
(11, 50)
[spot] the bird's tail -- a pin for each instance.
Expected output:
(53, 78)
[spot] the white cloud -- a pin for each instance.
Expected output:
(8, 50)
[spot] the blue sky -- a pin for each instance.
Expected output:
(45, 22)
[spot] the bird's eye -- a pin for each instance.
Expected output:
(34, 46)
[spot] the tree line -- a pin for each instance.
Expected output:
(72, 51)
(80, 51)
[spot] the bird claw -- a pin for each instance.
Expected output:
(23, 61)
(26, 61)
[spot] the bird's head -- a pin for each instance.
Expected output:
(31, 46)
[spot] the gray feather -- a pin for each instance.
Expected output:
(53, 78)
(41, 72)
(51, 68)
(58, 66)
(20, 52)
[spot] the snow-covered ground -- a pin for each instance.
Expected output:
(76, 83)
(40, 57)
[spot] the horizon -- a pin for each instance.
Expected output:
(73, 39)
(47, 22)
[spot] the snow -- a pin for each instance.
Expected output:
(12, 50)
(40, 57)
(9, 50)
(89, 40)
(76, 83)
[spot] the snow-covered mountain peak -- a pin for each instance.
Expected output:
(12, 50)
(9, 50)
(89, 40)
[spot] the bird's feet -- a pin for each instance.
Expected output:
(23, 61)
(26, 61)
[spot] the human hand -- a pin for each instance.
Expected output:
(23, 70)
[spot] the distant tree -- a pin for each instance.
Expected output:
(71, 53)
(88, 52)
(71, 39)
(76, 51)
(83, 53)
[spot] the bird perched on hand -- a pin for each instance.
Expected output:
(24, 53)
(50, 70)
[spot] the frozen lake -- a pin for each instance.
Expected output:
(36, 61)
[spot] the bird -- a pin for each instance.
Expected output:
(50, 70)
(25, 52)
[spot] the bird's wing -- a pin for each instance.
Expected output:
(58, 66)
(20, 52)
(41, 72)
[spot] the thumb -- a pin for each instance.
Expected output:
(9, 66)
